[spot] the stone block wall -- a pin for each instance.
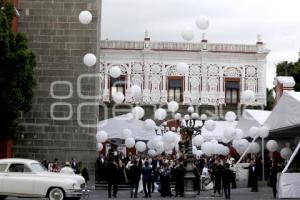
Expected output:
(52, 128)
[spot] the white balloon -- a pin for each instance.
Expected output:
(242, 145)
(272, 145)
(126, 133)
(202, 22)
(207, 148)
(198, 140)
(229, 133)
(136, 91)
(239, 134)
(118, 97)
(159, 147)
(160, 114)
(248, 97)
(129, 142)
(214, 141)
(286, 153)
(187, 33)
(225, 140)
(169, 137)
(168, 146)
(235, 143)
(253, 131)
(191, 109)
(254, 148)
(194, 149)
(210, 125)
(226, 151)
(151, 152)
(130, 117)
(99, 147)
(182, 68)
(101, 136)
(230, 116)
(173, 106)
(89, 59)
(150, 144)
(263, 132)
(177, 116)
(140, 146)
(198, 153)
(85, 17)
(138, 112)
(115, 72)
(215, 148)
(149, 124)
(156, 140)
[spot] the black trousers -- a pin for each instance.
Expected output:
(274, 190)
(115, 190)
(147, 188)
(134, 185)
(179, 188)
(254, 186)
(227, 190)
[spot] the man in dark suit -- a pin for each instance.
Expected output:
(147, 172)
(226, 178)
(253, 176)
(112, 177)
(273, 177)
(134, 177)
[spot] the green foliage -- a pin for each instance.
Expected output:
(270, 99)
(286, 68)
(17, 80)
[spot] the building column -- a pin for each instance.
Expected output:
(106, 81)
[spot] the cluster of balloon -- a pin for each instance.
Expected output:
(85, 17)
(187, 32)
(214, 148)
(101, 137)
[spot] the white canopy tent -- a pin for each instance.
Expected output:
(252, 118)
(115, 126)
(217, 133)
(286, 113)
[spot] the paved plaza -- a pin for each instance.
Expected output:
(237, 194)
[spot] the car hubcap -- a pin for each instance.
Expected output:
(56, 195)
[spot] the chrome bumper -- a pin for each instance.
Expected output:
(83, 193)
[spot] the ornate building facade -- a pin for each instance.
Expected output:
(218, 73)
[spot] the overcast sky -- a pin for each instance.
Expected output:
(231, 21)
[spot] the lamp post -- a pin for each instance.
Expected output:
(163, 129)
(188, 126)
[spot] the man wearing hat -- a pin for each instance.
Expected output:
(67, 169)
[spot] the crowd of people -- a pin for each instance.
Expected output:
(69, 167)
(147, 174)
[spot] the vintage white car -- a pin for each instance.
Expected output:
(29, 178)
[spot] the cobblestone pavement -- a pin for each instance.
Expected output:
(236, 194)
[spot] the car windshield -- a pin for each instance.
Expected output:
(37, 167)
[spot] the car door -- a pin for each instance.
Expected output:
(2, 173)
(18, 180)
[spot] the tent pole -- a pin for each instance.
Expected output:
(263, 157)
(245, 152)
(291, 158)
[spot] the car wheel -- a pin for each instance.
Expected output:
(2, 197)
(56, 194)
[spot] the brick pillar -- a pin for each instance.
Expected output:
(60, 123)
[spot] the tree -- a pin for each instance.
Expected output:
(17, 80)
(270, 99)
(286, 68)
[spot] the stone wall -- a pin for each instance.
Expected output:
(59, 42)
